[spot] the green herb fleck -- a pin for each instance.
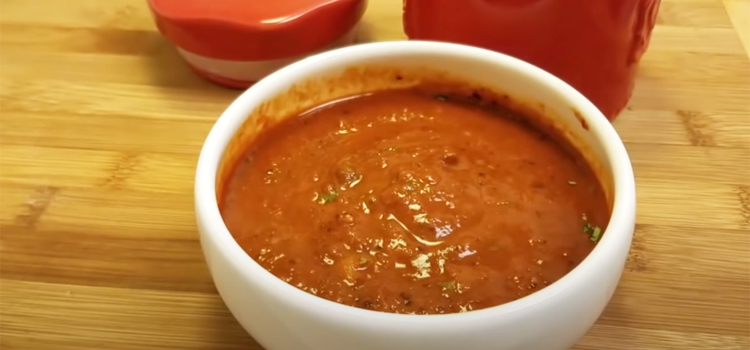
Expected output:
(362, 260)
(441, 98)
(587, 228)
(449, 286)
(596, 234)
(572, 183)
(328, 197)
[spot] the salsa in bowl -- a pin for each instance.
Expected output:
(414, 195)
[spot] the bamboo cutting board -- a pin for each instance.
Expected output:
(101, 125)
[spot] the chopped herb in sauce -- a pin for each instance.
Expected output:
(327, 197)
(362, 260)
(441, 98)
(449, 286)
(594, 232)
(588, 228)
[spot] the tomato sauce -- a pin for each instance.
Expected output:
(407, 201)
(593, 45)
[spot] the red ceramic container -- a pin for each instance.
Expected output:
(237, 42)
(594, 45)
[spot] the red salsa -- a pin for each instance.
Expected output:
(408, 201)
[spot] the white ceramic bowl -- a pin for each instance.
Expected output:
(282, 317)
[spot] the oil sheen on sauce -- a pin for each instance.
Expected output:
(405, 201)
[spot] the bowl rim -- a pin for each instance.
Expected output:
(618, 232)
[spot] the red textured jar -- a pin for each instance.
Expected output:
(237, 42)
(593, 45)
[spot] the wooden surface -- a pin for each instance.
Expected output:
(101, 124)
(739, 14)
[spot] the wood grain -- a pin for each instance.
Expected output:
(101, 124)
